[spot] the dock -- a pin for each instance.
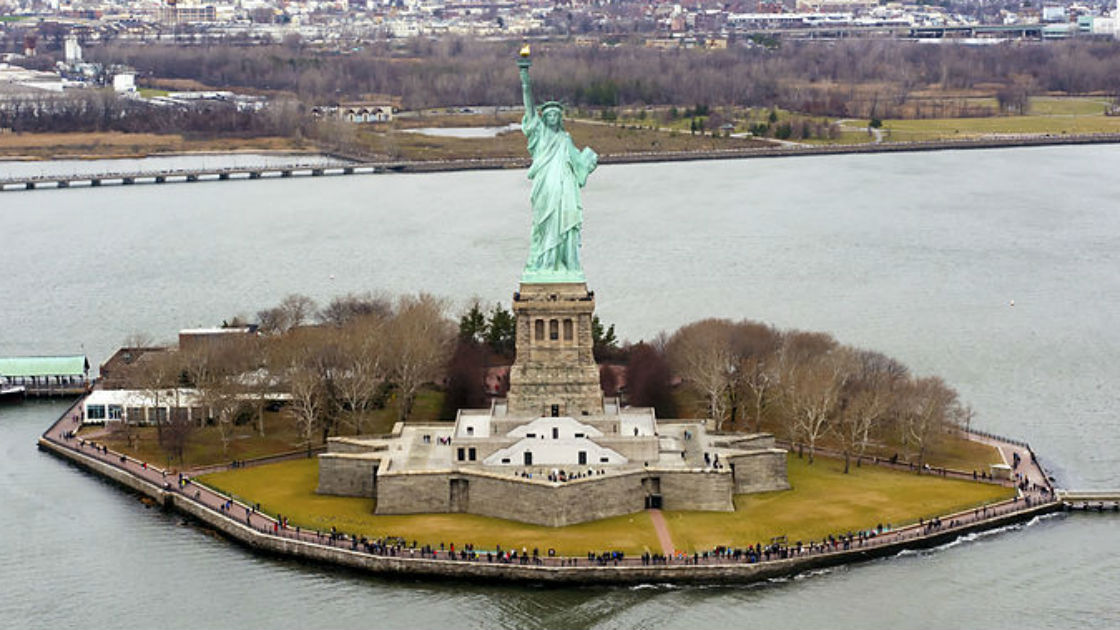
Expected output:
(1090, 500)
(45, 376)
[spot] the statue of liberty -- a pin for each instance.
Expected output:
(558, 171)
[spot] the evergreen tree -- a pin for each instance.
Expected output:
(501, 331)
(604, 341)
(472, 325)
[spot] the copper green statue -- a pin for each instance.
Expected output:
(558, 171)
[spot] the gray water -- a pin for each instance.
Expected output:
(465, 132)
(916, 255)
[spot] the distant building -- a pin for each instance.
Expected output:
(186, 11)
(72, 49)
(124, 82)
(126, 368)
(46, 375)
(200, 339)
(1055, 14)
(357, 111)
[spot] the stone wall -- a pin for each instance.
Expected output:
(558, 371)
(348, 475)
(481, 571)
(709, 490)
(760, 471)
(414, 493)
(346, 445)
(542, 504)
(637, 450)
(746, 442)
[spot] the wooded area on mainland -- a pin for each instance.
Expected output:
(858, 78)
(862, 79)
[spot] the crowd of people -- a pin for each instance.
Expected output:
(395, 546)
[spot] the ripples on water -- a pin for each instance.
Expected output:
(914, 255)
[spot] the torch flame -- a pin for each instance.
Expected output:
(525, 50)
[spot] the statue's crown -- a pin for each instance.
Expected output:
(552, 105)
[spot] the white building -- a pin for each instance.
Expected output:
(124, 82)
(73, 50)
(141, 406)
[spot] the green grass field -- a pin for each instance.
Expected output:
(1048, 114)
(1068, 106)
(823, 500)
(288, 488)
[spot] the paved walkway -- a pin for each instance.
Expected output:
(1028, 474)
(662, 529)
(60, 434)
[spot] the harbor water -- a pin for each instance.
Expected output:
(995, 269)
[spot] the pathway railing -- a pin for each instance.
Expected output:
(235, 510)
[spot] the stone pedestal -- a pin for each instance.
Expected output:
(555, 372)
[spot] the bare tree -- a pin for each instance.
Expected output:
(292, 312)
(701, 353)
(216, 370)
(308, 404)
(138, 339)
(298, 309)
(159, 377)
(364, 366)
(812, 394)
(755, 347)
(349, 307)
(929, 405)
(419, 342)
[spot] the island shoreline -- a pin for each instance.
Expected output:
(282, 543)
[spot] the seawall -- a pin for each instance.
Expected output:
(360, 165)
(713, 571)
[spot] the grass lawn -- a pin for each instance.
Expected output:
(150, 92)
(955, 128)
(846, 137)
(824, 500)
(289, 488)
(114, 144)
(604, 138)
(204, 446)
(1068, 105)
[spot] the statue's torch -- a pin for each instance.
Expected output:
(523, 60)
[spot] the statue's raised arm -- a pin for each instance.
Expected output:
(526, 84)
(558, 171)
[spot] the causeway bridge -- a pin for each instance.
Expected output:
(1090, 500)
(128, 178)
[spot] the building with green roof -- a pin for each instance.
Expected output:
(47, 376)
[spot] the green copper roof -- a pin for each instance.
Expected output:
(44, 366)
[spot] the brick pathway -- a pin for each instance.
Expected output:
(662, 529)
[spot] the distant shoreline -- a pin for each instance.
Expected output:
(469, 163)
(354, 165)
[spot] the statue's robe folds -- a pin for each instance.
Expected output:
(558, 171)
